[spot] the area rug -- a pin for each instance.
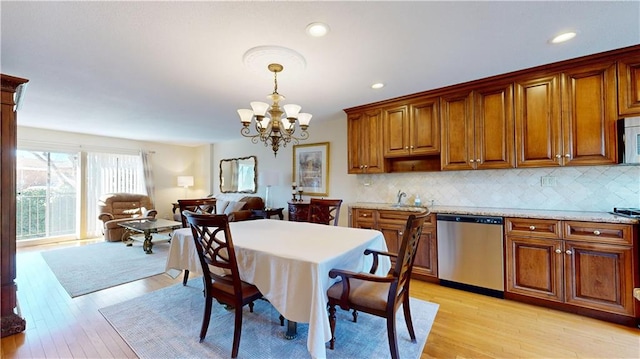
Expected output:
(166, 324)
(93, 267)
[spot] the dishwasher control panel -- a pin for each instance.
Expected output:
(470, 219)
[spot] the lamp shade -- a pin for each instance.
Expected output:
(185, 181)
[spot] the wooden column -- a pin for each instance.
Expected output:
(12, 323)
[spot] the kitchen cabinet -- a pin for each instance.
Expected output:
(567, 118)
(478, 128)
(364, 138)
(580, 264)
(392, 224)
(629, 86)
(412, 129)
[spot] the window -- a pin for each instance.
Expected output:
(110, 173)
(46, 201)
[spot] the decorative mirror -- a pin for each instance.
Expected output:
(238, 175)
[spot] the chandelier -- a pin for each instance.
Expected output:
(276, 129)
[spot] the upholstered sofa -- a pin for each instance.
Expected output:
(114, 208)
(237, 207)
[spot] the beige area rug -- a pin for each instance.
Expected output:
(93, 267)
(166, 324)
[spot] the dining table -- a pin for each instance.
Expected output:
(289, 262)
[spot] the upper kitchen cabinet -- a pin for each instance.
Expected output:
(589, 115)
(629, 86)
(567, 118)
(537, 121)
(364, 136)
(412, 129)
(477, 128)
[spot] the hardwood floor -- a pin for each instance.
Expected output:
(467, 325)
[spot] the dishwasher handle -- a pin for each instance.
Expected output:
(469, 219)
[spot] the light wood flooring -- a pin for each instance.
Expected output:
(467, 325)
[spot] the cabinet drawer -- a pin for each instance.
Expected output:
(531, 227)
(363, 214)
(430, 221)
(393, 216)
(599, 232)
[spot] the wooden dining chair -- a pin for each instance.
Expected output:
(199, 205)
(324, 211)
(379, 295)
(221, 277)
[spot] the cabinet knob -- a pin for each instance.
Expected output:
(567, 155)
(411, 147)
(568, 252)
(478, 160)
(532, 228)
(558, 250)
(400, 233)
(558, 156)
(406, 147)
(365, 215)
(361, 166)
(472, 161)
(596, 232)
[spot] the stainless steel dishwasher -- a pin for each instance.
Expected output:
(470, 253)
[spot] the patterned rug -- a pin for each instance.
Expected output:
(93, 267)
(166, 324)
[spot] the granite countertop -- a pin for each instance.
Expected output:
(508, 212)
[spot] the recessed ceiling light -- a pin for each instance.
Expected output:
(378, 85)
(565, 36)
(317, 29)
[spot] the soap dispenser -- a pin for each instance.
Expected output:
(417, 202)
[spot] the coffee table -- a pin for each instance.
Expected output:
(149, 228)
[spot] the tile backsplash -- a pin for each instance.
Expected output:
(585, 188)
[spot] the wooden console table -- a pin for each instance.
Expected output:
(299, 211)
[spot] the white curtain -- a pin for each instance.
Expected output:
(148, 175)
(110, 173)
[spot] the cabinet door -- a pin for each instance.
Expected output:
(494, 122)
(365, 142)
(457, 131)
(537, 112)
(599, 276)
(424, 127)
(363, 218)
(426, 262)
(589, 115)
(298, 211)
(534, 267)
(396, 132)
(629, 86)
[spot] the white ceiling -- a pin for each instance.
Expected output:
(173, 71)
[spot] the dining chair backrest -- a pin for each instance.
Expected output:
(199, 205)
(406, 257)
(324, 211)
(214, 245)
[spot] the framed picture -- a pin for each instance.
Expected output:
(311, 168)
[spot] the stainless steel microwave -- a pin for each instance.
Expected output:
(629, 140)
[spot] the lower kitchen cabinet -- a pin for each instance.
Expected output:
(583, 265)
(392, 224)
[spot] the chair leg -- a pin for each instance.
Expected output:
(332, 324)
(391, 333)
(237, 331)
(355, 316)
(206, 318)
(251, 307)
(407, 319)
(281, 320)
(186, 277)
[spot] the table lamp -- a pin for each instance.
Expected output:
(186, 182)
(268, 179)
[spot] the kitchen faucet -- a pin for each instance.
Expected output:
(400, 195)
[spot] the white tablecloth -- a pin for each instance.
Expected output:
(289, 262)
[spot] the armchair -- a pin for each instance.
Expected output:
(379, 295)
(114, 208)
